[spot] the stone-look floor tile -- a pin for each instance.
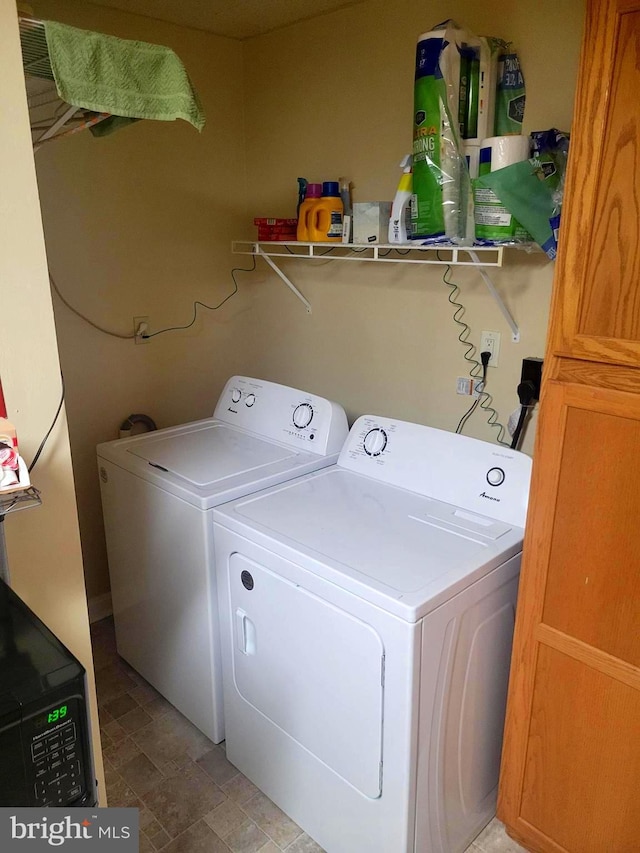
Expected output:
(225, 818)
(272, 820)
(121, 752)
(115, 731)
(103, 643)
(120, 795)
(182, 799)
(104, 716)
(247, 838)
(240, 789)
(216, 765)
(120, 706)
(199, 838)
(111, 682)
(270, 847)
(110, 773)
(303, 844)
(196, 743)
(134, 720)
(159, 839)
(105, 740)
(161, 742)
(494, 839)
(145, 845)
(147, 820)
(473, 849)
(144, 693)
(158, 707)
(140, 774)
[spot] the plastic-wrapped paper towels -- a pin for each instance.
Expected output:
(454, 99)
(494, 223)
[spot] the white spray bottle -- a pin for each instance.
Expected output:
(399, 215)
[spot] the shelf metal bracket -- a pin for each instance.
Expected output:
(515, 331)
(474, 261)
(258, 251)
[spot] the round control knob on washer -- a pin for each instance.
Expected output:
(251, 398)
(235, 395)
(495, 476)
(375, 441)
(302, 415)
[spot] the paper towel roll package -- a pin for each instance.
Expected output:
(498, 152)
(494, 223)
(472, 156)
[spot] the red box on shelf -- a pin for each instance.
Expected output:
(282, 230)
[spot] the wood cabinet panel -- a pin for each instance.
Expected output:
(573, 637)
(598, 489)
(570, 777)
(587, 802)
(596, 310)
(610, 294)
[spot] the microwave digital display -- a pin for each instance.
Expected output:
(54, 715)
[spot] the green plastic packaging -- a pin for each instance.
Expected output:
(527, 198)
(510, 97)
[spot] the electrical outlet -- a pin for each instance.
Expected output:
(137, 323)
(463, 385)
(490, 342)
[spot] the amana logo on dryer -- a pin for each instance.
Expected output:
(489, 497)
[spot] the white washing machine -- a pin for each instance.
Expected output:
(158, 493)
(366, 616)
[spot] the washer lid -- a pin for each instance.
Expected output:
(405, 552)
(206, 456)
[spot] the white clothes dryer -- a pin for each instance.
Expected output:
(367, 613)
(158, 493)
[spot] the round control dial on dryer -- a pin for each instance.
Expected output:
(250, 400)
(375, 441)
(302, 415)
(236, 395)
(495, 476)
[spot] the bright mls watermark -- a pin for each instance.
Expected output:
(102, 830)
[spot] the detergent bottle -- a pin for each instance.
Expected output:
(312, 197)
(398, 232)
(325, 221)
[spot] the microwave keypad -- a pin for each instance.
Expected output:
(57, 767)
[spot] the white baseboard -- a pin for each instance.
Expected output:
(100, 607)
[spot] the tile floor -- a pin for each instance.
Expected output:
(191, 799)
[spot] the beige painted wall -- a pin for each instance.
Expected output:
(141, 223)
(333, 96)
(43, 543)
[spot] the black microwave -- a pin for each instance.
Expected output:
(45, 748)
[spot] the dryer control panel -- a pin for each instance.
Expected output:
(486, 478)
(283, 414)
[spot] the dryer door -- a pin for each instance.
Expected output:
(312, 669)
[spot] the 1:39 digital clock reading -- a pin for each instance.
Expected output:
(56, 714)
(59, 714)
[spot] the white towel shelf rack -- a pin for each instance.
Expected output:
(478, 257)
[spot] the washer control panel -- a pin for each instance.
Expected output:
(284, 414)
(486, 478)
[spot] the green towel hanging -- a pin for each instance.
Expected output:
(126, 78)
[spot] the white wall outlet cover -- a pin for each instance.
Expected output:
(490, 342)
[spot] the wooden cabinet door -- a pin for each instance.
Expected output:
(570, 780)
(571, 761)
(596, 312)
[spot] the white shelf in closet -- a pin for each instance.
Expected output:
(478, 257)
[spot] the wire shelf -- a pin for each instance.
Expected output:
(19, 499)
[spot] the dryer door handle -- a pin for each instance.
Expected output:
(245, 633)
